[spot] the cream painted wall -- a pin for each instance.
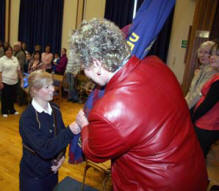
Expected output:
(94, 8)
(14, 20)
(69, 21)
(183, 18)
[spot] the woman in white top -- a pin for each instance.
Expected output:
(9, 77)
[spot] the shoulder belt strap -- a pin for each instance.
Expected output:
(55, 128)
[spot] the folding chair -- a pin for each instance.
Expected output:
(104, 168)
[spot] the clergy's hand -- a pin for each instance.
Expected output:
(81, 119)
(75, 128)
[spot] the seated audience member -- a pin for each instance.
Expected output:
(35, 63)
(206, 112)
(55, 62)
(24, 47)
(142, 122)
(37, 48)
(9, 78)
(27, 62)
(44, 136)
(61, 66)
(47, 58)
(201, 75)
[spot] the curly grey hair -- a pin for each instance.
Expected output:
(102, 40)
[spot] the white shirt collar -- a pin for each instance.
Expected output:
(40, 109)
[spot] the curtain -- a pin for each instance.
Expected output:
(40, 22)
(214, 35)
(120, 12)
(2, 20)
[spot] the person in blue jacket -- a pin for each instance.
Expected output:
(44, 136)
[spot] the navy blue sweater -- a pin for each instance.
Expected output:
(37, 132)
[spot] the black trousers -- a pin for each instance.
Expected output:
(8, 98)
(206, 138)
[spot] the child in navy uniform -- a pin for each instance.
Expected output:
(44, 136)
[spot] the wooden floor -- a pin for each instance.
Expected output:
(11, 148)
(213, 165)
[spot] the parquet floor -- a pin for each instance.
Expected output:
(11, 150)
(213, 165)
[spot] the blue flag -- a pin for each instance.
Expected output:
(147, 24)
